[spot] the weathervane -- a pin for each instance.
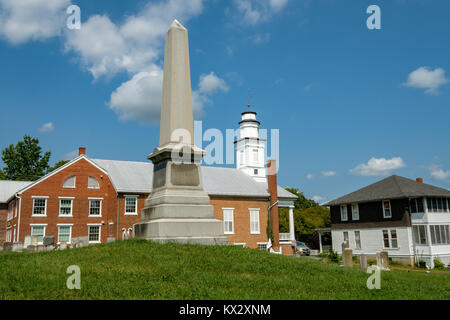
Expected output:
(249, 99)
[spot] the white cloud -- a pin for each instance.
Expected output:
(378, 167)
(309, 176)
(106, 48)
(210, 83)
(319, 199)
(253, 12)
(424, 78)
(328, 173)
(47, 127)
(140, 98)
(438, 173)
(24, 20)
(261, 38)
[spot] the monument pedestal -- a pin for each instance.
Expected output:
(178, 209)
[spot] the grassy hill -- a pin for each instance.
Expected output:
(138, 269)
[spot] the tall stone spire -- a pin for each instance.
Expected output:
(176, 110)
(178, 209)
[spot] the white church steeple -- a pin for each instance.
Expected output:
(250, 149)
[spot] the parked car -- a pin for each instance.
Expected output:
(302, 248)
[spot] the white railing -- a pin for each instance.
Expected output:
(285, 236)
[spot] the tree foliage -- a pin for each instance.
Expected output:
(25, 161)
(302, 202)
(57, 165)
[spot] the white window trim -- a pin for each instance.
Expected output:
(99, 231)
(390, 239)
(354, 217)
(240, 244)
(125, 205)
(101, 206)
(390, 209)
(46, 204)
(74, 183)
(346, 211)
(259, 224)
(71, 207)
(65, 225)
(38, 225)
(232, 214)
(94, 188)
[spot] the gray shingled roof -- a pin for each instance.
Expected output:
(9, 188)
(393, 187)
(129, 177)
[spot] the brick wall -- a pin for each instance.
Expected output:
(52, 188)
(3, 214)
(241, 208)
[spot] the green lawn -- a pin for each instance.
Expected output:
(139, 269)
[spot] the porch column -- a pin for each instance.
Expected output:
(291, 223)
(320, 242)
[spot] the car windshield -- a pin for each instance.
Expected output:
(301, 244)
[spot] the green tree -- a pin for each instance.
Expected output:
(57, 165)
(2, 175)
(302, 202)
(25, 161)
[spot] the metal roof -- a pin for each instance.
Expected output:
(393, 187)
(9, 188)
(129, 177)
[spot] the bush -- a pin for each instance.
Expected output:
(439, 265)
(331, 255)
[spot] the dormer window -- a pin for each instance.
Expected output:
(344, 215)
(93, 183)
(69, 182)
(355, 211)
(387, 209)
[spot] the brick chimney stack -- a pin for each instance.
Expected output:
(419, 180)
(81, 150)
(273, 191)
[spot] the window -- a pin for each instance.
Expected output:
(255, 172)
(94, 234)
(239, 244)
(420, 234)
(10, 211)
(440, 234)
(416, 205)
(437, 204)
(344, 216)
(93, 183)
(65, 207)
(254, 221)
(39, 206)
(357, 240)
(262, 246)
(355, 211)
(39, 231)
(95, 207)
(387, 209)
(345, 236)
(390, 238)
(69, 182)
(64, 233)
(228, 221)
(255, 155)
(131, 205)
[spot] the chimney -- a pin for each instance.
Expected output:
(81, 150)
(273, 191)
(419, 180)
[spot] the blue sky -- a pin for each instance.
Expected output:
(353, 105)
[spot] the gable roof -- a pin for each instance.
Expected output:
(9, 188)
(130, 176)
(393, 187)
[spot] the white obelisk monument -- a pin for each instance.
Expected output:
(178, 209)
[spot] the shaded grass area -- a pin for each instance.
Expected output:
(139, 269)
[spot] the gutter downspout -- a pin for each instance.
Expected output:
(18, 220)
(117, 233)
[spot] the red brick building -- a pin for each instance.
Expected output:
(102, 199)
